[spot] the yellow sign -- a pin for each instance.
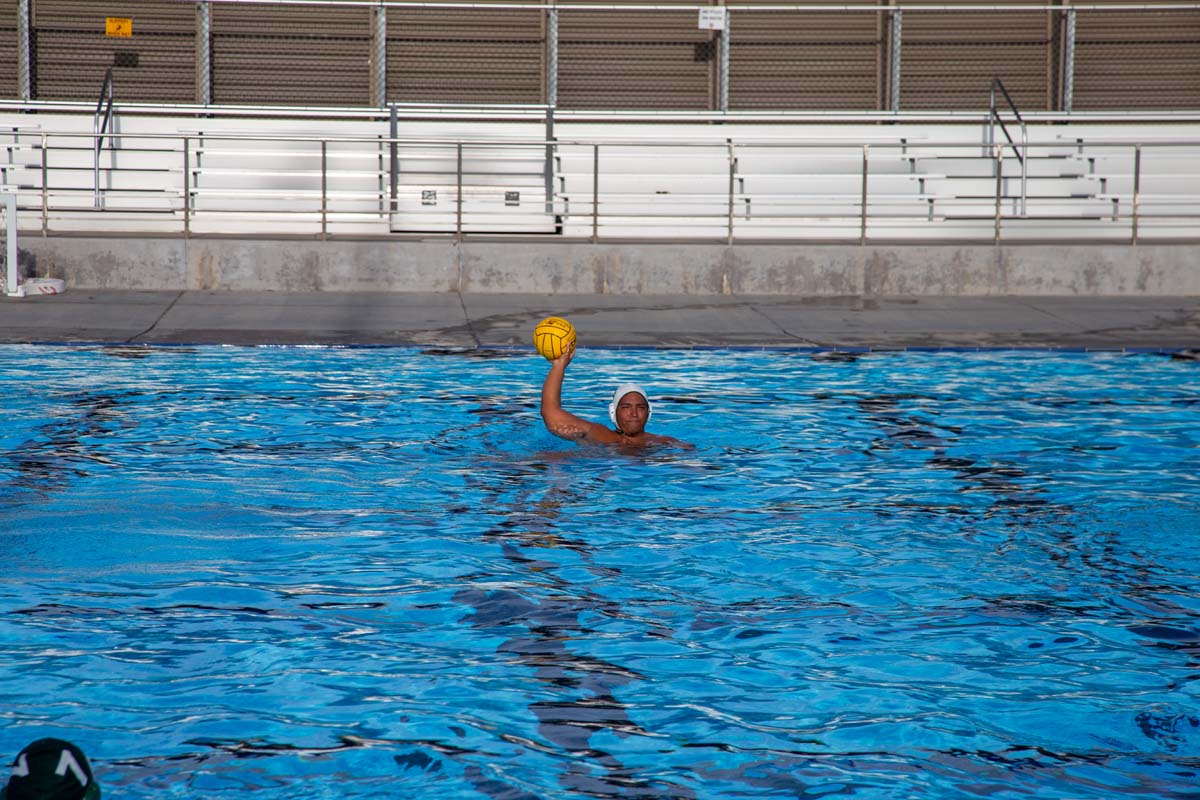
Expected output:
(118, 26)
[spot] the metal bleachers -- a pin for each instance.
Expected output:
(677, 180)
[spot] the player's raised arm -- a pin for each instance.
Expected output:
(559, 421)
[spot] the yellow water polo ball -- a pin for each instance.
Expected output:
(552, 336)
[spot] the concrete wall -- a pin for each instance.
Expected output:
(553, 267)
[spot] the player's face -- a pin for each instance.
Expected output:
(632, 413)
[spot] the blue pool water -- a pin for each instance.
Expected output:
(329, 573)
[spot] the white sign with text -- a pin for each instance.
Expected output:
(712, 19)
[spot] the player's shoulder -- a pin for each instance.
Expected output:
(602, 435)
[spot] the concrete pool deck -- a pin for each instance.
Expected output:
(472, 320)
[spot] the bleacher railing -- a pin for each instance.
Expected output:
(100, 123)
(995, 119)
(197, 184)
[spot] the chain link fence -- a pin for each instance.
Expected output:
(770, 55)
(281, 55)
(948, 59)
(437, 55)
(9, 48)
(71, 49)
(646, 60)
(1137, 59)
(812, 60)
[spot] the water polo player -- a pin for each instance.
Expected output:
(629, 410)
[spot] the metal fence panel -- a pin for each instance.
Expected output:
(8, 49)
(948, 59)
(806, 60)
(1137, 60)
(466, 55)
(280, 55)
(73, 50)
(636, 60)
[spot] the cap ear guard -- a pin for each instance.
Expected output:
(51, 767)
(622, 390)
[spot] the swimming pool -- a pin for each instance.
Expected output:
(357, 573)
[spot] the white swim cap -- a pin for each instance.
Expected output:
(622, 390)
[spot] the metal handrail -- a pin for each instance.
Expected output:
(993, 118)
(100, 127)
(537, 113)
(538, 142)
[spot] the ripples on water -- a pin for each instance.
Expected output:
(363, 573)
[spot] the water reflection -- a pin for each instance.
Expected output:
(583, 687)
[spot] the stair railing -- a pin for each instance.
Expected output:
(1021, 152)
(104, 115)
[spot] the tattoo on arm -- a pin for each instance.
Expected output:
(567, 431)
